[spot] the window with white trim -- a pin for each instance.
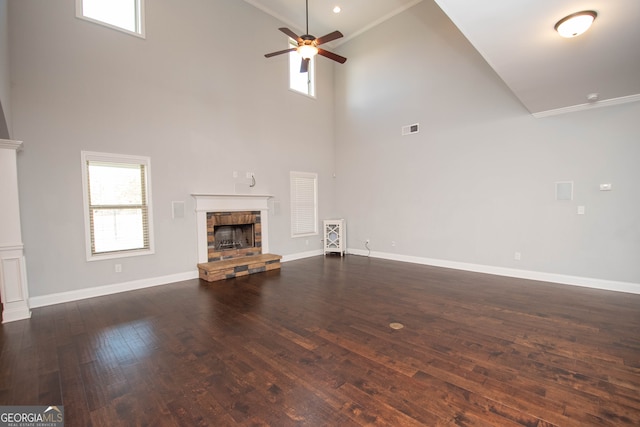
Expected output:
(117, 205)
(304, 204)
(122, 15)
(301, 82)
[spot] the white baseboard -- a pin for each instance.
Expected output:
(301, 255)
(80, 294)
(587, 282)
(16, 312)
(99, 291)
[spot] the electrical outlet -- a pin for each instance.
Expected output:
(118, 268)
(517, 256)
(393, 243)
(366, 242)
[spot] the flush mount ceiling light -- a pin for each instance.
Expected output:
(576, 23)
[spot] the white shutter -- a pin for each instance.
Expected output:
(304, 204)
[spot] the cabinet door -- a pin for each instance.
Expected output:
(332, 237)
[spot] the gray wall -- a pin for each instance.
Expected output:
(477, 183)
(197, 96)
(4, 71)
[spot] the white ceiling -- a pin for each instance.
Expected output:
(356, 17)
(548, 73)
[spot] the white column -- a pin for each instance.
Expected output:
(13, 274)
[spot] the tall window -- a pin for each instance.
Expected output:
(301, 82)
(123, 15)
(117, 205)
(304, 204)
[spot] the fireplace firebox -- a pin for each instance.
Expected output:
(233, 235)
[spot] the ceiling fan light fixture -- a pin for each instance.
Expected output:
(307, 51)
(575, 24)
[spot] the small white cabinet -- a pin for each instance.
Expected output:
(334, 236)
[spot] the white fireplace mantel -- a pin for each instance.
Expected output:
(229, 203)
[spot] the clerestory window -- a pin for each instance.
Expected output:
(122, 15)
(301, 82)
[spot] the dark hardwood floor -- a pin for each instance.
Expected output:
(311, 345)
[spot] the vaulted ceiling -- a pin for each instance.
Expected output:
(548, 73)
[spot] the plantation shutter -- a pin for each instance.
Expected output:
(304, 204)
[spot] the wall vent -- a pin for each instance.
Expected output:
(409, 129)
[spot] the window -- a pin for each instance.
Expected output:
(301, 82)
(117, 205)
(304, 204)
(123, 15)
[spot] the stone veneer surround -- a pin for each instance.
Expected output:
(206, 203)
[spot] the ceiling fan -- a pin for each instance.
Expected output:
(308, 45)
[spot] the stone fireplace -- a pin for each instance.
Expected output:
(232, 234)
(224, 207)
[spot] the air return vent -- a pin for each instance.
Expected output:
(409, 129)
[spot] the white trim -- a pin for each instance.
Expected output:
(295, 27)
(377, 22)
(587, 282)
(301, 255)
(140, 12)
(589, 106)
(98, 291)
(14, 290)
(10, 144)
(116, 158)
(63, 297)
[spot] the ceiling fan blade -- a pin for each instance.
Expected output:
(290, 33)
(304, 65)
(329, 37)
(280, 52)
(331, 55)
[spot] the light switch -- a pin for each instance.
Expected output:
(580, 210)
